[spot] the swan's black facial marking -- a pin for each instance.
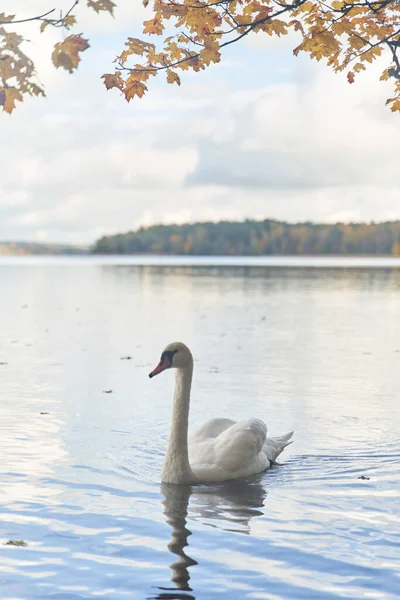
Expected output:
(168, 355)
(165, 362)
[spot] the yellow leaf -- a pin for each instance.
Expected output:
(306, 7)
(359, 67)
(337, 5)
(173, 77)
(69, 21)
(209, 55)
(395, 106)
(8, 97)
(43, 26)
(135, 88)
(384, 76)
(154, 26)
(66, 53)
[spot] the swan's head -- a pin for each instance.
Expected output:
(174, 356)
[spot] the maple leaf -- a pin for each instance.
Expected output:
(209, 55)
(113, 80)
(173, 77)
(153, 27)
(102, 6)
(134, 88)
(69, 21)
(6, 18)
(7, 69)
(8, 97)
(395, 106)
(350, 77)
(66, 53)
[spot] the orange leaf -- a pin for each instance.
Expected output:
(350, 77)
(66, 53)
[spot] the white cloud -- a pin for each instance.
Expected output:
(268, 136)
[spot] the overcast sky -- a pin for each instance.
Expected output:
(263, 134)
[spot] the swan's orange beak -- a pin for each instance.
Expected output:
(164, 363)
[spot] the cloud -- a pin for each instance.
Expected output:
(265, 136)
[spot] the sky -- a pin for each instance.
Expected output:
(261, 135)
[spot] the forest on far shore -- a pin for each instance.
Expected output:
(256, 238)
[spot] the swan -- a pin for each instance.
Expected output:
(219, 450)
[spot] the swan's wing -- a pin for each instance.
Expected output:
(210, 429)
(235, 452)
(274, 446)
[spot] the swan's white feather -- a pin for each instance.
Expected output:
(219, 450)
(223, 449)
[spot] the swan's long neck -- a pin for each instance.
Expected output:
(176, 468)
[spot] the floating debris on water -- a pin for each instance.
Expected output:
(363, 477)
(15, 543)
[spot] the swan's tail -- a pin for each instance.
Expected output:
(274, 446)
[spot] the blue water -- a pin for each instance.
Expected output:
(303, 346)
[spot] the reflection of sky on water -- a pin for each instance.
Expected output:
(306, 349)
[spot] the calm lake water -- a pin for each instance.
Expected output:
(310, 348)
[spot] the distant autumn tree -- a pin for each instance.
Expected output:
(347, 34)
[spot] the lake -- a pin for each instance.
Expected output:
(311, 345)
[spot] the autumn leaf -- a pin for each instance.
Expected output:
(69, 21)
(209, 55)
(134, 88)
(113, 80)
(344, 34)
(153, 27)
(173, 77)
(66, 53)
(102, 6)
(8, 97)
(7, 69)
(6, 18)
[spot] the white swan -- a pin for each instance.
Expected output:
(219, 450)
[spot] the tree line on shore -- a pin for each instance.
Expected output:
(256, 238)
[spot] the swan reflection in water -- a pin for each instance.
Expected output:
(228, 506)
